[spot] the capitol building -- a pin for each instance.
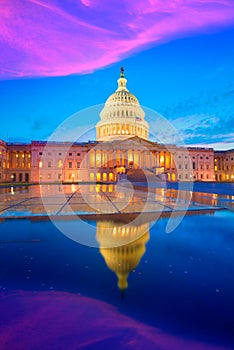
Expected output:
(122, 149)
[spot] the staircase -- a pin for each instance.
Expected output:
(146, 175)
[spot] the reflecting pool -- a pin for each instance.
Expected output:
(155, 291)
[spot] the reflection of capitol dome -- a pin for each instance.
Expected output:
(123, 258)
(122, 115)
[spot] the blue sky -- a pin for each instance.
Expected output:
(188, 79)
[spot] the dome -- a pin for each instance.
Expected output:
(123, 96)
(122, 115)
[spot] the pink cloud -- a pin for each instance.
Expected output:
(57, 320)
(51, 38)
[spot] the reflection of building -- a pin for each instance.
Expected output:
(122, 147)
(121, 256)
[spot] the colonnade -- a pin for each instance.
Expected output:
(129, 158)
(116, 129)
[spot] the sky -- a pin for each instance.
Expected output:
(60, 57)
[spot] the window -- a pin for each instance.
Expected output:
(60, 154)
(70, 154)
(78, 164)
(201, 176)
(207, 176)
(207, 166)
(179, 166)
(40, 153)
(70, 165)
(59, 176)
(49, 153)
(49, 176)
(207, 157)
(186, 176)
(60, 163)
(201, 166)
(40, 164)
(49, 164)
(78, 154)
(186, 166)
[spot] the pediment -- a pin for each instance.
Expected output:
(128, 143)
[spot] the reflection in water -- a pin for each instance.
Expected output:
(122, 258)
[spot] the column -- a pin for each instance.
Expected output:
(120, 157)
(158, 159)
(133, 157)
(114, 158)
(107, 159)
(144, 159)
(139, 159)
(150, 160)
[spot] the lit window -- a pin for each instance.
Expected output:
(40, 164)
(60, 163)
(70, 165)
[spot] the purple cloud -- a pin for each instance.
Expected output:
(57, 320)
(53, 38)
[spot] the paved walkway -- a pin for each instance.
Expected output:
(56, 200)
